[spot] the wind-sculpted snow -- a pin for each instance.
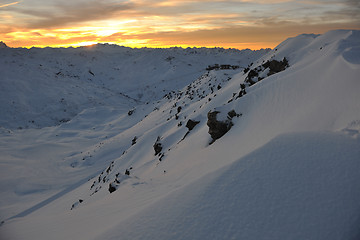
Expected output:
(286, 168)
(350, 48)
(298, 186)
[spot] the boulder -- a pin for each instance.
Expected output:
(277, 66)
(112, 188)
(217, 129)
(157, 146)
(253, 73)
(191, 124)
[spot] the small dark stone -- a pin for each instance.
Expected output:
(130, 112)
(134, 140)
(111, 188)
(157, 146)
(232, 113)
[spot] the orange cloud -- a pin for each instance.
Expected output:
(9, 4)
(238, 24)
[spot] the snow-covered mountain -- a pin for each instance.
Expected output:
(46, 87)
(119, 143)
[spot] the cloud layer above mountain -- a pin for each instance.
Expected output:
(238, 24)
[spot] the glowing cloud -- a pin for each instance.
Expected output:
(9, 4)
(159, 23)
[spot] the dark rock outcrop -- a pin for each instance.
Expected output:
(222, 67)
(217, 129)
(157, 146)
(231, 114)
(274, 66)
(242, 91)
(191, 124)
(251, 75)
(112, 188)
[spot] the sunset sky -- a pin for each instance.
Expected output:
(238, 24)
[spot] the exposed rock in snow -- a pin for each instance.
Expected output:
(157, 146)
(269, 68)
(190, 124)
(217, 128)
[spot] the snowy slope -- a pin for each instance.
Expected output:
(286, 169)
(291, 188)
(84, 96)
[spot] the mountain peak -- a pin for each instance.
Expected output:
(3, 45)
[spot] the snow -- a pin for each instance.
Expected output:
(64, 82)
(287, 168)
(279, 191)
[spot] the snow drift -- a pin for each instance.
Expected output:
(297, 186)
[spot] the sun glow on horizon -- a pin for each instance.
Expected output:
(137, 23)
(91, 35)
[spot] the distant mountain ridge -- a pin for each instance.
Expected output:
(73, 79)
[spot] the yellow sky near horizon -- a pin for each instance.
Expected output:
(238, 24)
